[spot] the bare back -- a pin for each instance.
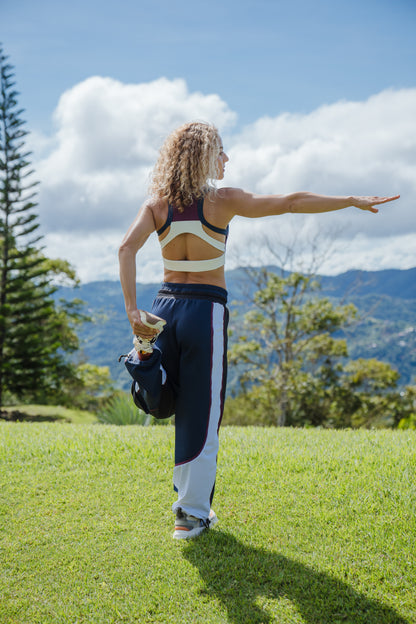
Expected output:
(189, 247)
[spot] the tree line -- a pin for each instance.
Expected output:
(293, 365)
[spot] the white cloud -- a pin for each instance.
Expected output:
(95, 255)
(107, 140)
(311, 245)
(366, 148)
(95, 169)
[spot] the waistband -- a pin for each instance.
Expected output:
(193, 291)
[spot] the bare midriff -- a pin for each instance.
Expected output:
(213, 278)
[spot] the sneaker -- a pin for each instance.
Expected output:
(187, 526)
(145, 345)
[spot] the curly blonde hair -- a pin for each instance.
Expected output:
(187, 161)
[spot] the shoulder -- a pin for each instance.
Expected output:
(238, 202)
(157, 209)
(226, 197)
(221, 205)
(218, 206)
(230, 200)
(228, 193)
(154, 204)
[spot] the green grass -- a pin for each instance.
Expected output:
(316, 527)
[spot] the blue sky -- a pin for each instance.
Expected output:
(261, 59)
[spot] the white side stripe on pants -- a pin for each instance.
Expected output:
(195, 479)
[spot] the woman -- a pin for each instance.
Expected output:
(188, 361)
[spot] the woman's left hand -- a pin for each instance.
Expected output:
(368, 203)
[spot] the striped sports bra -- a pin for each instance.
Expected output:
(190, 221)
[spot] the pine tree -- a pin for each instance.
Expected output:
(31, 326)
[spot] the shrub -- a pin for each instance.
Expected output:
(408, 423)
(120, 410)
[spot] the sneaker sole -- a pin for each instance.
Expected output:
(185, 534)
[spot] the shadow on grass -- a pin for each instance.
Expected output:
(237, 575)
(18, 416)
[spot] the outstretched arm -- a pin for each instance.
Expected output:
(136, 236)
(311, 203)
(245, 204)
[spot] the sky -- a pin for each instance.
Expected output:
(308, 96)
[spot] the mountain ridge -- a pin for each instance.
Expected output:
(386, 300)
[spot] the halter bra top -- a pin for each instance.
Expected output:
(190, 221)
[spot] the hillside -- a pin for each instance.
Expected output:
(386, 301)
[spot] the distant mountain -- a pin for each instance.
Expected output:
(391, 282)
(386, 301)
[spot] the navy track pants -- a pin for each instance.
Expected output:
(193, 349)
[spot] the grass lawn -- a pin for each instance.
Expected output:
(316, 527)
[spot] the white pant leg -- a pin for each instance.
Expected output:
(195, 479)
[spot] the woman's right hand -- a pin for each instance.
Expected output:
(141, 329)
